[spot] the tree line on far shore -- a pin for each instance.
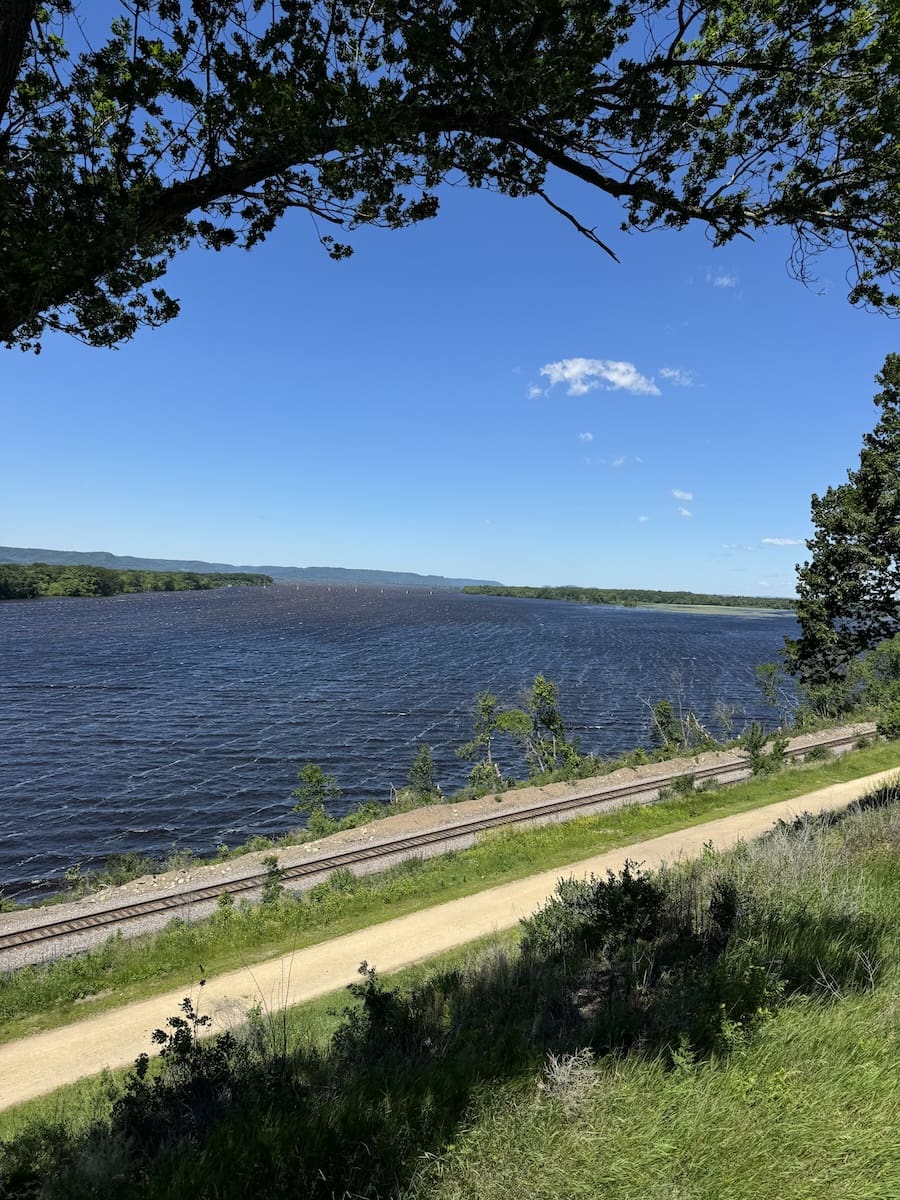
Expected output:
(630, 597)
(41, 579)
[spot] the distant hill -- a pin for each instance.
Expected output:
(124, 562)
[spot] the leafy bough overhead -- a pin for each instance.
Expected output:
(206, 121)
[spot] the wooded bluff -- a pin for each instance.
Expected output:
(20, 582)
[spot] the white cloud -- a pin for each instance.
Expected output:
(722, 279)
(782, 541)
(585, 437)
(534, 391)
(684, 512)
(643, 519)
(678, 377)
(680, 495)
(620, 460)
(583, 375)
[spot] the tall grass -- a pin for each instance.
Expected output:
(808, 1110)
(724, 1028)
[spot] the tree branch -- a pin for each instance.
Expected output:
(15, 21)
(613, 187)
(583, 229)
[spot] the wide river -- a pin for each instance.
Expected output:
(142, 722)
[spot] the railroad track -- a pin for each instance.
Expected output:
(157, 906)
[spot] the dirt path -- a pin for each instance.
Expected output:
(38, 1064)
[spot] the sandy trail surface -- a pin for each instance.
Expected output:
(41, 1063)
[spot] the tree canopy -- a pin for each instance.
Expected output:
(205, 122)
(849, 590)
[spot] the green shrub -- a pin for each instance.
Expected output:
(315, 789)
(754, 740)
(421, 773)
(635, 758)
(181, 858)
(121, 868)
(484, 778)
(818, 754)
(888, 724)
(273, 887)
(580, 915)
(680, 786)
(319, 824)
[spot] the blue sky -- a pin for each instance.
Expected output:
(484, 395)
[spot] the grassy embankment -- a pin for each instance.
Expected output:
(723, 1028)
(122, 970)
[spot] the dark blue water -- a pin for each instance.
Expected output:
(139, 722)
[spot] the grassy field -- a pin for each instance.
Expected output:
(809, 1109)
(725, 1028)
(41, 997)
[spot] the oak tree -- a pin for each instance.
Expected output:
(206, 121)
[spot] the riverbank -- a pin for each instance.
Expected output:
(121, 870)
(425, 819)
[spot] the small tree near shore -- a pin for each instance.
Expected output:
(485, 774)
(315, 789)
(421, 773)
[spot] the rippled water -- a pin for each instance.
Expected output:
(134, 723)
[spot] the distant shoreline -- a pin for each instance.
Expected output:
(671, 601)
(21, 556)
(37, 581)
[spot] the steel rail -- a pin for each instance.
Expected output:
(102, 918)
